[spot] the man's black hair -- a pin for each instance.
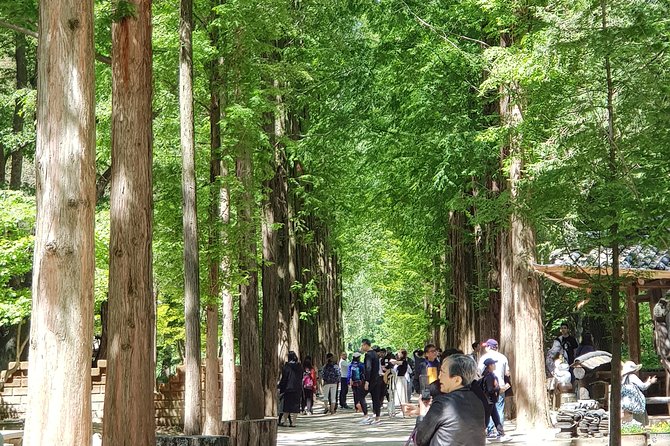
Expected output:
(366, 341)
(428, 347)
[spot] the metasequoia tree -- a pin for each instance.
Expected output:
(59, 403)
(192, 393)
(129, 400)
(615, 286)
(18, 121)
(521, 326)
(276, 287)
(252, 396)
(217, 408)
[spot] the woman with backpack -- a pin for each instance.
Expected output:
(356, 378)
(290, 389)
(331, 378)
(309, 386)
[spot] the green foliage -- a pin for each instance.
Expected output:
(632, 429)
(17, 219)
(123, 9)
(660, 428)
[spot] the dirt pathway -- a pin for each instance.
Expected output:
(343, 429)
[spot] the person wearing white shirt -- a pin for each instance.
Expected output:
(344, 380)
(501, 372)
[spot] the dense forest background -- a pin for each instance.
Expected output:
(407, 137)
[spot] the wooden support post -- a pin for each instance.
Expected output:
(633, 324)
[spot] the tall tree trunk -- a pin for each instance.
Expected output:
(276, 295)
(212, 425)
(293, 312)
(3, 165)
(461, 268)
(521, 304)
(531, 394)
(192, 393)
(250, 358)
(17, 125)
(129, 407)
(59, 403)
(615, 309)
(229, 389)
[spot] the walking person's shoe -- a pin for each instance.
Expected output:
(366, 420)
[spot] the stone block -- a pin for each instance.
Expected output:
(19, 391)
(191, 440)
(102, 363)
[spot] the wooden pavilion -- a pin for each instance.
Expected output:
(644, 271)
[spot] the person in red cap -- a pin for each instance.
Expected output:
(501, 371)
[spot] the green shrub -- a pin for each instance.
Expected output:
(662, 427)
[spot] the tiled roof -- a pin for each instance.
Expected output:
(634, 257)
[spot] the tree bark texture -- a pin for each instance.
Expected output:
(192, 361)
(521, 325)
(212, 422)
(59, 403)
(528, 373)
(229, 389)
(293, 311)
(250, 358)
(615, 289)
(3, 165)
(129, 406)
(18, 121)
(276, 289)
(464, 317)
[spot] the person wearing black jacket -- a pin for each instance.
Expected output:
(374, 384)
(290, 389)
(418, 359)
(568, 343)
(456, 416)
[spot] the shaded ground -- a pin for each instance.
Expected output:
(343, 429)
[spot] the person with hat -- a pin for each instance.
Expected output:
(491, 388)
(502, 373)
(632, 400)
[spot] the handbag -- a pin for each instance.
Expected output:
(632, 398)
(411, 441)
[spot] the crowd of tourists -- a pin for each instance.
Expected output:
(461, 397)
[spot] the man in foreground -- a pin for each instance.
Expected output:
(456, 416)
